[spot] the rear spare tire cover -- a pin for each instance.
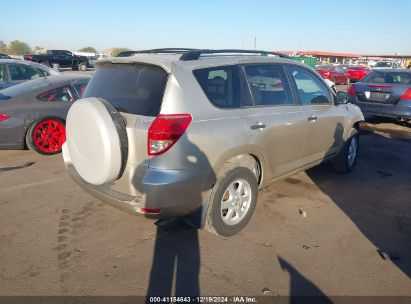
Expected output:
(96, 140)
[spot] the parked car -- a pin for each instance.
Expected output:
(356, 73)
(65, 59)
(92, 60)
(384, 93)
(196, 134)
(386, 65)
(4, 56)
(33, 114)
(334, 73)
(14, 71)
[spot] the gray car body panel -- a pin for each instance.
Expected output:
(24, 108)
(181, 180)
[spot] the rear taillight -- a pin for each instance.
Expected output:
(30, 58)
(148, 210)
(3, 117)
(165, 131)
(351, 90)
(406, 95)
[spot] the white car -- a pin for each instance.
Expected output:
(386, 65)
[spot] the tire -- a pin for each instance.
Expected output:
(46, 63)
(82, 66)
(222, 221)
(345, 161)
(46, 136)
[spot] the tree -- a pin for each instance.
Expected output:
(116, 51)
(19, 48)
(88, 49)
(3, 47)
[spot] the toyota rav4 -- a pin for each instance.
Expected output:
(197, 133)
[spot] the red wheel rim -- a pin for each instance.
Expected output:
(49, 136)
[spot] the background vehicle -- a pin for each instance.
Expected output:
(14, 71)
(65, 59)
(356, 73)
(384, 93)
(92, 60)
(386, 65)
(33, 113)
(4, 56)
(176, 134)
(334, 73)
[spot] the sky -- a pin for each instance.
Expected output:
(349, 26)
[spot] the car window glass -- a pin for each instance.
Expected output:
(268, 85)
(221, 85)
(80, 88)
(310, 89)
(23, 72)
(59, 94)
(388, 77)
(2, 73)
(131, 88)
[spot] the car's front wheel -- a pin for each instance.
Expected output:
(46, 136)
(232, 201)
(346, 159)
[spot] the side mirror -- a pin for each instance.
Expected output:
(342, 97)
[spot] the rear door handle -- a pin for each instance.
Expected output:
(312, 118)
(258, 125)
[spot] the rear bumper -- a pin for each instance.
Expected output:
(174, 192)
(400, 110)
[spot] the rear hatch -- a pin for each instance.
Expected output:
(136, 90)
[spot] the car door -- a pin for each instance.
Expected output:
(272, 117)
(326, 120)
(63, 58)
(55, 102)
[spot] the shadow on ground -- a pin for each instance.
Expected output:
(381, 208)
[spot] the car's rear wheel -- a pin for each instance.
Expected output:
(232, 202)
(82, 66)
(46, 136)
(346, 159)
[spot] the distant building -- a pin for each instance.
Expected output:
(326, 57)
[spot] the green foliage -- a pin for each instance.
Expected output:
(19, 48)
(88, 49)
(3, 47)
(116, 51)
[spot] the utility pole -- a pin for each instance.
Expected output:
(255, 42)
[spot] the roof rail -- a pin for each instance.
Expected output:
(156, 51)
(196, 54)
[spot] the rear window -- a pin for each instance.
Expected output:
(383, 65)
(130, 88)
(388, 77)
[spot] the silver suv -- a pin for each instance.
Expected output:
(197, 133)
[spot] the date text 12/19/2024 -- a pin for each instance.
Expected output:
(205, 299)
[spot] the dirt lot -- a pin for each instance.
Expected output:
(57, 240)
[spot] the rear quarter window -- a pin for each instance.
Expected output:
(130, 88)
(221, 85)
